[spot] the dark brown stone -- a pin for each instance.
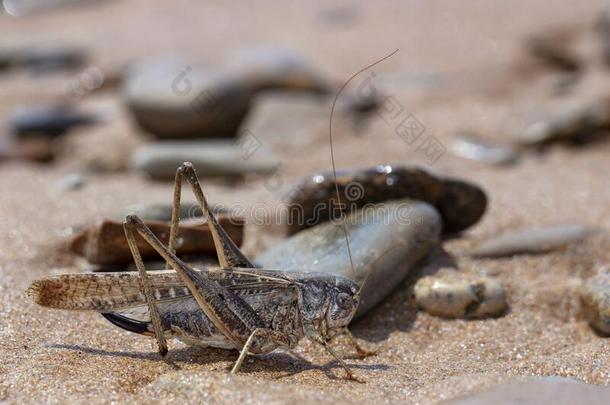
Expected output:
(314, 199)
(105, 243)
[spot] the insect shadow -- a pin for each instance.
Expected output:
(288, 363)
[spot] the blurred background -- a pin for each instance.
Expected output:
(101, 100)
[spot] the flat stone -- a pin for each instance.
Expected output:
(472, 147)
(42, 59)
(211, 159)
(451, 294)
(47, 120)
(532, 241)
(570, 122)
(386, 240)
(173, 98)
(104, 243)
(539, 390)
(162, 212)
(595, 299)
(313, 200)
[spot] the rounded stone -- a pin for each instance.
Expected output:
(172, 98)
(450, 294)
(386, 240)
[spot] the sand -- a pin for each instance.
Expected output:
(55, 356)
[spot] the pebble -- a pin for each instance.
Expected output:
(386, 241)
(161, 212)
(42, 59)
(104, 243)
(602, 28)
(47, 120)
(451, 294)
(595, 299)
(539, 390)
(472, 147)
(72, 181)
(269, 68)
(212, 158)
(173, 98)
(40, 150)
(312, 200)
(554, 51)
(532, 241)
(572, 122)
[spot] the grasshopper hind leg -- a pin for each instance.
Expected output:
(229, 255)
(145, 287)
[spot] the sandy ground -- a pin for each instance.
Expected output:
(56, 356)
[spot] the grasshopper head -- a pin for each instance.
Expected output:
(344, 300)
(328, 303)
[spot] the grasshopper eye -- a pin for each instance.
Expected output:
(344, 300)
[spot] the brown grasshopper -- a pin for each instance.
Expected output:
(235, 306)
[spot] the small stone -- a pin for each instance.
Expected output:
(41, 150)
(595, 299)
(314, 200)
(603, 33)
(472, 147)
(572, 122)
(532, 241)
(553, 50)
(50, 121)
(450, 294)
(173, 98)
(539, 390)
(162, 212)
(42, 59)
(268, 68)
(386, 240)
(72, 181)
(105, 243)
(211, 159)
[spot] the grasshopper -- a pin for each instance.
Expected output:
(234, 306)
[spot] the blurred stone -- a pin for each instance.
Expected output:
(50, 121)
(539, 390)
(39, 150)
(472, 147)
(386, 240)
(105, 242)
(553, 50)
(20, 8)
(162, 212)
(313, 200)
(595, 298)
(603, 33)
(172, 98)
(573, 122)
(532, 241)
(268, 68)
(210, 158)
(72, 181)
(42, 59)
(451, 294)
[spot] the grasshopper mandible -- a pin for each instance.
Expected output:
(234, 306)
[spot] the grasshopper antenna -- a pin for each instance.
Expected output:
(332, 158)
